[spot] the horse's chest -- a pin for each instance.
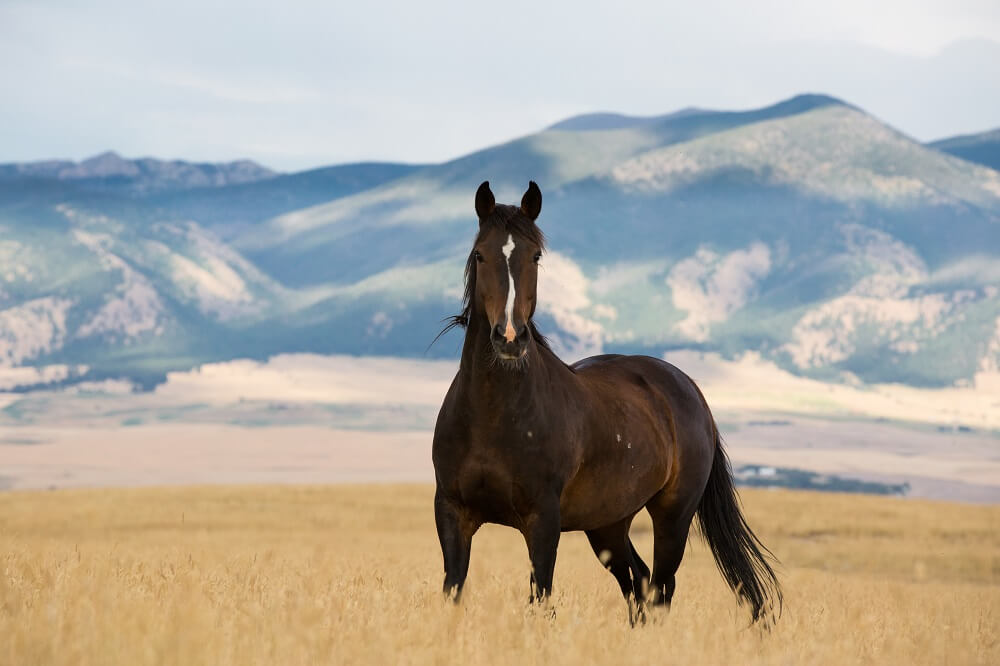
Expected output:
(502, 481)
(489, 490)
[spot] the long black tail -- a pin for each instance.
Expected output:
(741, 557)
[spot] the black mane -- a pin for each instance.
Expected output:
(508, 219)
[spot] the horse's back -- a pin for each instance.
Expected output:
(663, 377)
(667, 393)
(585, 363)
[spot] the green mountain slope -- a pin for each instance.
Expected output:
(232, 209)
(322, 243)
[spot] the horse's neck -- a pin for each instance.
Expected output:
(492, 383)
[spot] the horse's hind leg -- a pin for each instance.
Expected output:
(670, 533)
(611, 546)
(640, 573)
(614, 549)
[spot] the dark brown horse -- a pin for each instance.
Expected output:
(525, 440)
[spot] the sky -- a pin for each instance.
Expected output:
(298, 84)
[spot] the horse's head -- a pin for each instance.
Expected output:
(505, 264)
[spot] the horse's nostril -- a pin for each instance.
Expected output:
(522, 335)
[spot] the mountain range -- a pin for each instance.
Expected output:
(807, 231)
(983, 148)
(112, 172)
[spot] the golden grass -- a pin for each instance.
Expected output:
(351, 574)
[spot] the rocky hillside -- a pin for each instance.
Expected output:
(806, 231)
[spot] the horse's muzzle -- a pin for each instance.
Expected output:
(511, 350)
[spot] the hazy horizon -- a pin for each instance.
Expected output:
(473, 149)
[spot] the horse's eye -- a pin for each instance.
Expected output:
(478, 256)
(538, 257)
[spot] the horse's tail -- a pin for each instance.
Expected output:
(739, 554)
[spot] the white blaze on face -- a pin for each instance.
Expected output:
(508, 250)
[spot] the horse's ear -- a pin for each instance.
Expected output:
(531, 202)
(485, 203)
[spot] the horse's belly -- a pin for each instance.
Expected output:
(597, 511)
(615, 488)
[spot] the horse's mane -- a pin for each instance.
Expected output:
(508, 219)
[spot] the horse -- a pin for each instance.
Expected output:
(524, 440)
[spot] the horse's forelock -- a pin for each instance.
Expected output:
(511, 220)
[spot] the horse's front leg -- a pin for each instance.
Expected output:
(455, 534)
(541, 532)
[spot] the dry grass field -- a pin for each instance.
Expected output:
(351, 574)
